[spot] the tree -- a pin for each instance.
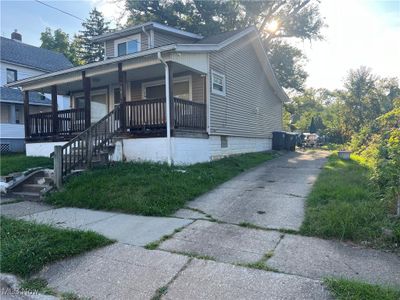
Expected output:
(366, 96)
(94, 25)
(59, 41)
(275, 20)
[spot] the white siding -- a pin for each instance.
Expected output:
(13, 131)
(22, 72)
(41, 149)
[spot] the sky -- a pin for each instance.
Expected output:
(359, 33)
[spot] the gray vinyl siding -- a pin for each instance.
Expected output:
(250, 107)
(162, 39)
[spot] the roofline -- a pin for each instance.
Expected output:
(214, 47)
(25, 66)
(92, 65)
(22, 103)
(155, 25)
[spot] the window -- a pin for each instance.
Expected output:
(127, 45)
(156, 89)
(79, 102)
(217, 83)
(11, 75)
(17, 116)
(224, 141)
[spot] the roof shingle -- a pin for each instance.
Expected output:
(31, 56)
(15, 95)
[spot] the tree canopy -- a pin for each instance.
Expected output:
(275, 20)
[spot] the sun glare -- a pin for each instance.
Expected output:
(272, 26)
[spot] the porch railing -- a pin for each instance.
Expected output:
(70, 121)
(143, 115)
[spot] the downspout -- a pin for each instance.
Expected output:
(149, 42)
(167, 104)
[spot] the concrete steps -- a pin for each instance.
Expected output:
(34, 186)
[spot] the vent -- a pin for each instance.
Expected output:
(5, 148)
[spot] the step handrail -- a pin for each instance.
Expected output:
(82, 147)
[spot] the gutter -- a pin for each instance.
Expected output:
(167, 104)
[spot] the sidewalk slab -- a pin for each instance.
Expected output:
(20, 209)
(136, 230)
(211, 280)
(129, 229)
(223, 242)
(69, 217)
(317, 258)
(115, 272)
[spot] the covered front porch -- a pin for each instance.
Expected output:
(135, 91)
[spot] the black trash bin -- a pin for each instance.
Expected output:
(278, 140)
(290, 141)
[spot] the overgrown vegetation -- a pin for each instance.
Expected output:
(344, 204)
(26, 247)
(150, 188)
(344, 289)
(19, 162)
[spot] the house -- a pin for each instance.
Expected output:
(19, 61)
(161, 94)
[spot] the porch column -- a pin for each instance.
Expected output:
(86, 91)
(54, 109)
(122, 88)
(171, 94)
(26, 114)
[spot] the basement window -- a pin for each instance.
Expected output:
(224, 141)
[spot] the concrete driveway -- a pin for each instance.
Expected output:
(270, 196)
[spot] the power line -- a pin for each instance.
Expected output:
(60, 10)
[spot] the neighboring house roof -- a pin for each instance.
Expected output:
(10, 95)
(29, 56)
(149, 25)
(206, 45)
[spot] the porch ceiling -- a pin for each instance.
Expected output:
(104, 79)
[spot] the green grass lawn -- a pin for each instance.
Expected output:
(344, 289)
(149, 188)
(26, 247)
(18, 162)
(345, 205)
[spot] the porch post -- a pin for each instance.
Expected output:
(171, 94)
(26, 114)
(122, 88)
(86, 91)
(54, 109)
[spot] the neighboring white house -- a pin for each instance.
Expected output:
(20, 61)
(163, 94)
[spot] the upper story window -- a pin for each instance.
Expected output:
(127, 45)
(218, 83)
(11, 75)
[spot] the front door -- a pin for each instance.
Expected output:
(98, 107)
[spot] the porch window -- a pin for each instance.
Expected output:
(79, 102)
(156, 89)
(117, 96)
(127, 45)
(11, 75)
(218, 83)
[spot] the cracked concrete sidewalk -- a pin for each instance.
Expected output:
(270, 196)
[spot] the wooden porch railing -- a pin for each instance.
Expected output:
(69, 121)
(140, 115)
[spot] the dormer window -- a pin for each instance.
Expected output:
(128, 45)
